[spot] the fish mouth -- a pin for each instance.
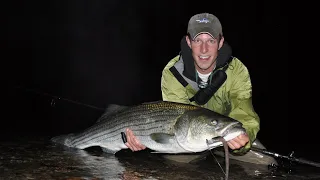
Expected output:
(232, 130)
(229, 132)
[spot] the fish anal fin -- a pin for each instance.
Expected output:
(109, 150)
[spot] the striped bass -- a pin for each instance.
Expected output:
(164, 127)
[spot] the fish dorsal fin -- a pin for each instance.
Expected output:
(111, 110)
(162, 138)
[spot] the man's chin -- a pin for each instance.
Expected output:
(204, 67)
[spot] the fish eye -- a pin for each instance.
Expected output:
(214, 122)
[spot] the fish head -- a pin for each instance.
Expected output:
(204, 129)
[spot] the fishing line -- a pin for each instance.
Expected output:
(226, 150)
(226, 156)
(217, 162)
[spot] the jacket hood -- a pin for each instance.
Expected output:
(224, 55)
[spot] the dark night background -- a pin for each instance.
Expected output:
(78, 53)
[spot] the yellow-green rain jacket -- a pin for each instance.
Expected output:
(233, 98)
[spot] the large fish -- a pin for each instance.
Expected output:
(165, 127)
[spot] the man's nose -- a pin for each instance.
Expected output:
(204, 48)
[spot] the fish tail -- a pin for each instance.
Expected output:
(63, 139)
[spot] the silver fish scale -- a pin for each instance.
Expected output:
(143, 119)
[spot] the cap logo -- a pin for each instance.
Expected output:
(203, 20)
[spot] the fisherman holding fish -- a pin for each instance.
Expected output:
(206, 74)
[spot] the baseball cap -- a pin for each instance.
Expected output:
(204, 23)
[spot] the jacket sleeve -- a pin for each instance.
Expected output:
(241, 103)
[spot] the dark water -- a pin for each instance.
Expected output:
(37, 158)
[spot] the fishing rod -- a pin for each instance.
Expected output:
(291, 158)
(54, 98)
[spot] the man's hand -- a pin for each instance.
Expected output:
(132, 142)
(238, 142)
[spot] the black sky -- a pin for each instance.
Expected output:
(101, 52)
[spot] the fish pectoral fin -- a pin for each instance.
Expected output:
(162, 138)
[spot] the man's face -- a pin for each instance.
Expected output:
(204, 51)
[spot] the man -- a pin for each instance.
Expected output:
(205, 74)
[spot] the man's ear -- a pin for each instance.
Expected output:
(188, 41)
(221, 42)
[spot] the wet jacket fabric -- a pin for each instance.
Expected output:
(233, 98)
